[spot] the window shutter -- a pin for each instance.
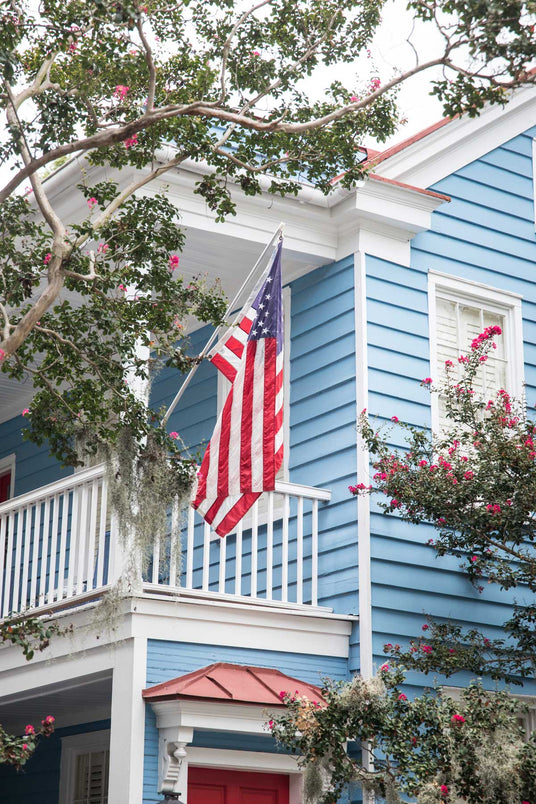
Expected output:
(91, 781)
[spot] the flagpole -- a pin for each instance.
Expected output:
(214, 335)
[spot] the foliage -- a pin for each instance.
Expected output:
(476, 483)
(30, 634)
(220, 84)
(433, 748)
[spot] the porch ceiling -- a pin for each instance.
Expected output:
(83, 700)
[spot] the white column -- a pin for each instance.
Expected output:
(128, 722)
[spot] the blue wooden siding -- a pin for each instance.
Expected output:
(486, 234)
(39, 780)
(166, 660)
(33, 466)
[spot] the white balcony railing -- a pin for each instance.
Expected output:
(59, 545)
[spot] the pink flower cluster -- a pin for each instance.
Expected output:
(488, 333)
(493, 508)
(358, 487)
(130, 141)
(457, 719)
(173, 262)
(120, 91)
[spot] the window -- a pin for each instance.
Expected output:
(7, 477)
(224, 385)
(84, 768)
(459, 310)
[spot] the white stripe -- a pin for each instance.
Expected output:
(212, 474)
(279, 361)
(278, 439)
(257, 428)
(279, 400)
(235, 439)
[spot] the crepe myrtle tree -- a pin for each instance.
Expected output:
(220, 83)
(29, 634)
(433, 748)
(476, 484)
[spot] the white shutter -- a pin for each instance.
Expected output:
(91, 778)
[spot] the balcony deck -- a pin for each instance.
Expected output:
(59, 546)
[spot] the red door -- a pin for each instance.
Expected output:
(214, 786)
(5, 486)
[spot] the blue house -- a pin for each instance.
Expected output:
(382, 284)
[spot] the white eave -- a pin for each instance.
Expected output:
(429, 157)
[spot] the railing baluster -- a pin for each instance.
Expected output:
(81, 540)
(9, 563)
(44, 550)
(299, 552)
(18, 559)
(60, 593)
(206, 556)
(53, 548)
(101, 550)
(3, 551)
(190, 549)
(174, 576)
(24, 602)
(254, 549)
(73, 544)
(35, 529)
(284, 549)
(238, 562)
(314, 554)
(270, 547)
(223, 559)
(91, 566)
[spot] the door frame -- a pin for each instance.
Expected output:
(261, 762)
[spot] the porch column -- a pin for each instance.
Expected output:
(128, 722)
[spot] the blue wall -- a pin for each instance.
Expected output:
(485, 234)
(167, 660)
(39, 779)
(33, 466)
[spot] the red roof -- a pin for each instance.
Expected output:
(372, 161)
(235, 683)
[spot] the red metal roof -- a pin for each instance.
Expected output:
(235, 683)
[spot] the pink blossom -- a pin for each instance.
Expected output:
(354, 98)
(2, 355)
(463, 359)
(457, 719)
(255, 53)
(474, 558)
(122, 287)
(384, 668)
(173, 262)
(270, 724)
(25, 747)
(174, 435)
(388, 646)
(425, 627)
(48, 720)
(130, 141)
(483, 358)
(488, 333)
(102, 248)
(358, 487)
(91, 202)
(493, 508)
(402, 697)
(508, 501)
(375, 84)
(394, 419)
(423, 463)
(47, 259)
(426, 381)
(395, 503)
(441, 520)
(29, 729)
(282, 694)
(25, 411)
(426, 648)
(452, 650)
(120, 91)
(444, 790)
(448, 363)
(469, 475)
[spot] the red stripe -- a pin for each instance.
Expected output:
(223, 452)
(202, 479)
(235, 346)
(236, 513)
(246, 324)
(268, 434)
(224, 366)
(246, 419)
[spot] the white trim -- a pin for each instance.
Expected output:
(493, 299)
(128, 723)
(8, 463)
(260, 761)
(363, 460)
(461, 141)
(71, 748)
(534, 177)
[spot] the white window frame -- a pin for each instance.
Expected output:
(224, 384)
(8, 464)
(494, 300)
(71, 748)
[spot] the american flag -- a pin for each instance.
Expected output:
(246, 448)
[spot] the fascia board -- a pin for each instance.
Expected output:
(211, 716)
(399, 208)
(461, 142)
